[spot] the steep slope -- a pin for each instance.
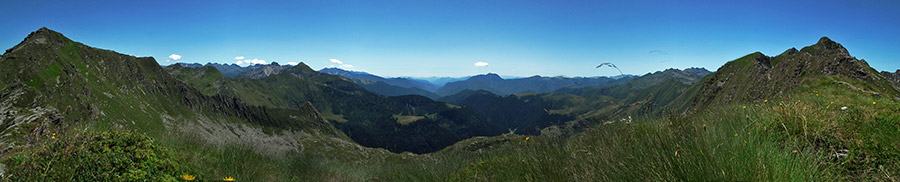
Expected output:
(535, 84)
(49, 83)
(757, 77)
(649, 94)
(402, 123)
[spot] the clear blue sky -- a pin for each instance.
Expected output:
(446, 38)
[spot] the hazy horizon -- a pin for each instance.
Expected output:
(464, 38)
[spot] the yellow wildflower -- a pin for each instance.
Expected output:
(188, 177)
(745, 107)
(228, 179)
(767, 100)
(735, 134)
(527, 138)
(873, 103)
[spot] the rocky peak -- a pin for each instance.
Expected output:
(698, 71)
(264, 71)
(302, 67)
(42, 36)
(189, 65)
(826, 46)
(789, 52)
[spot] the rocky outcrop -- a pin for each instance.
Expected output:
(264, 71)
(894, 78)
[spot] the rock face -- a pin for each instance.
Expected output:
(894, 78)
(757, 76)
(263, 71)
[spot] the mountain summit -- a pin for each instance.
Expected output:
(758, 77)
(41, 37)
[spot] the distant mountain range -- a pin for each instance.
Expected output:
(400, 82)
(536, 84)
(489, 82)
(440, 81)
(229, 70)
(386, 86)
(435, 87)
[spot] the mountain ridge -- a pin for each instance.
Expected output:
(757, 77)
(534, 84)
(68, 84)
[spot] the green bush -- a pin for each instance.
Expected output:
(93, 156)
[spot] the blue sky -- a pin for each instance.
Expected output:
(447, 38)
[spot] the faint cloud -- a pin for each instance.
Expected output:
(251, 61)
(239, 58)
(255, 61)
(336, 61)
(657, 51)
(481, 64)
(340, 64)
(175, 57)
(293, 63)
